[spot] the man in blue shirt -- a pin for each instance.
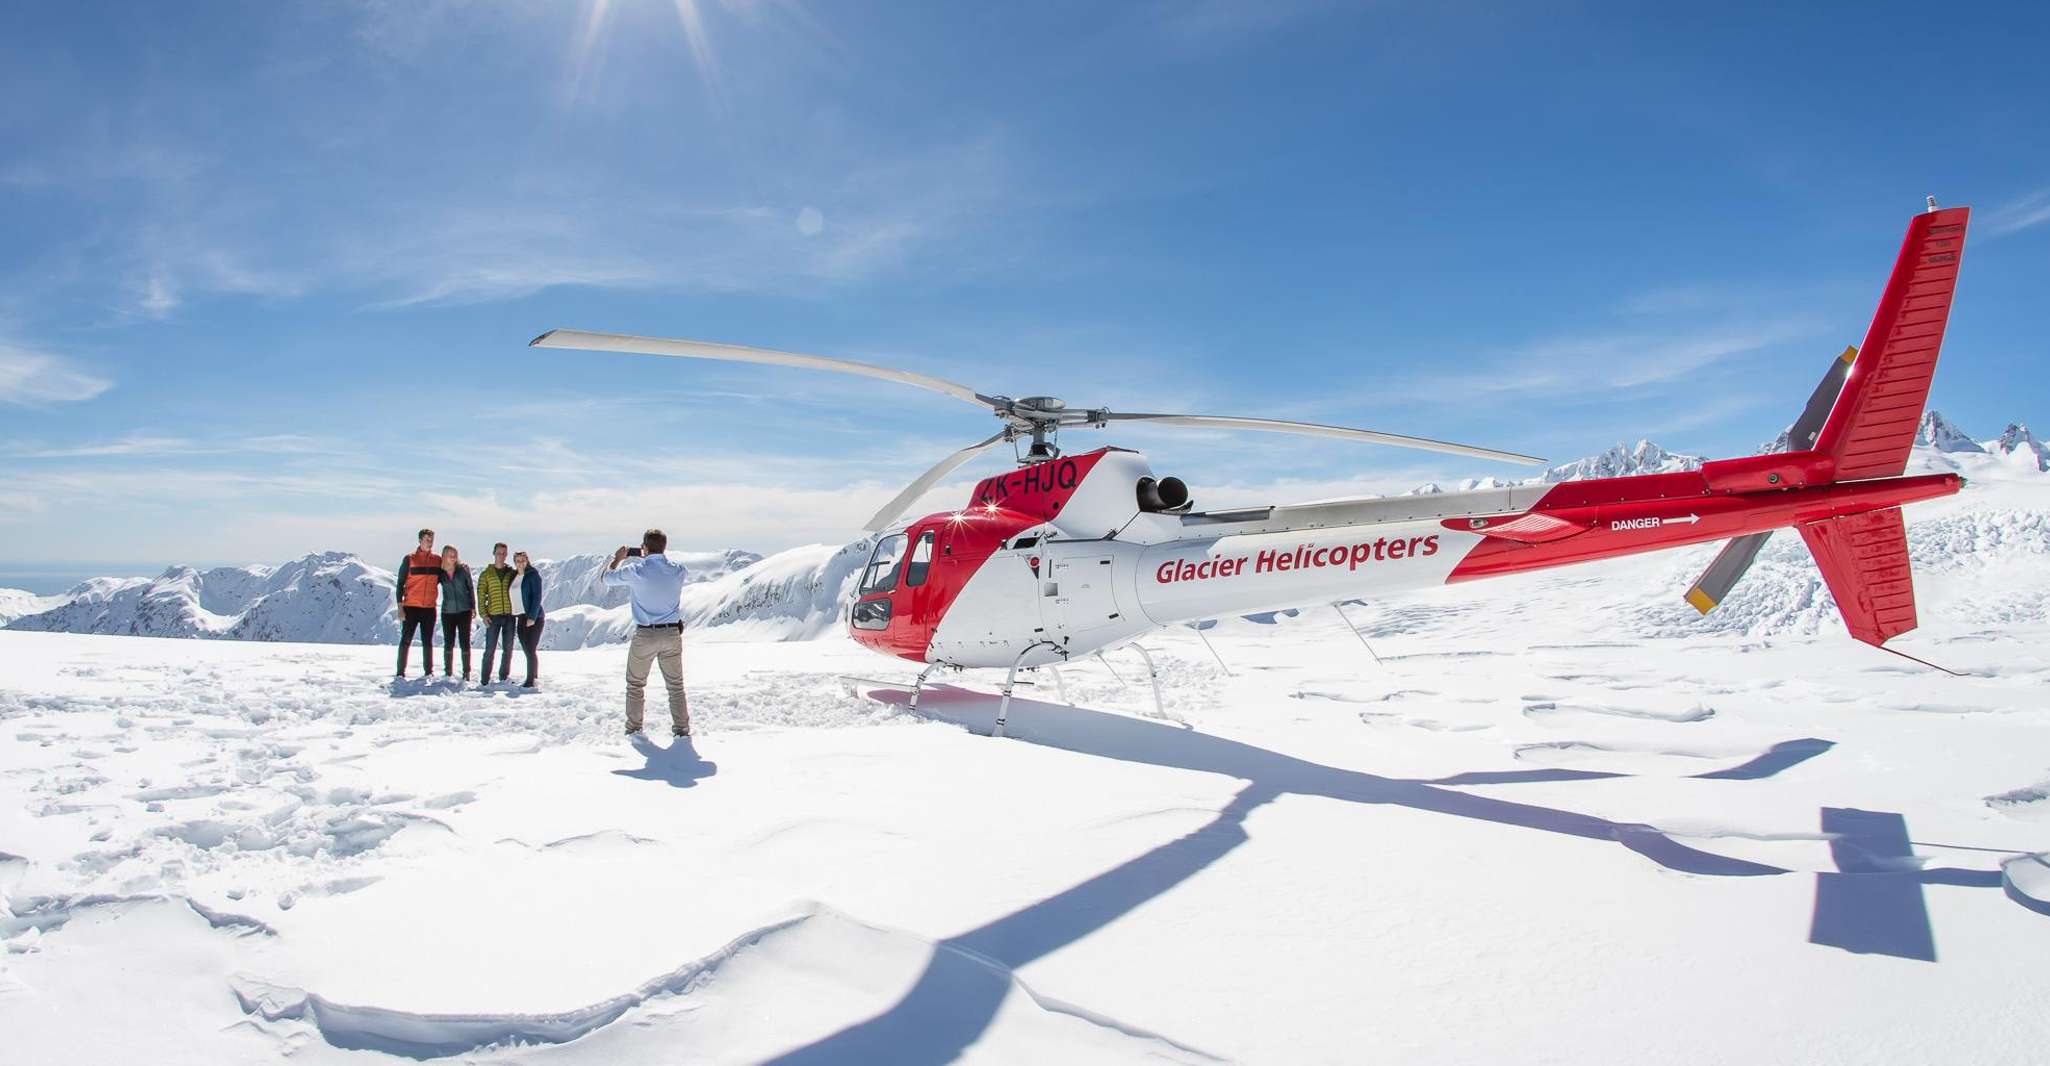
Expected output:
(653, 585)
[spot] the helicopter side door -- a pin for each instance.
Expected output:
(1076, 596)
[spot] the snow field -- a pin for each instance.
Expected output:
(1471, 851)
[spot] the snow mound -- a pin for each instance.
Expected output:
(2017, 441)
(2026, 879)
(792, 595)
(20, 603)
(791, 980)
(575, 580)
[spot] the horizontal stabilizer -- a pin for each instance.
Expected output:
(1864, 561)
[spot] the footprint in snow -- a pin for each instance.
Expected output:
(2031, 803)
(1542, 710)
(1435, 725)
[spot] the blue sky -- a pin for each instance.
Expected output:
(270, 268)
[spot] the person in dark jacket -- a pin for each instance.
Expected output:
(494, 598)
(458, 606)
(527, 605)
(419, 585)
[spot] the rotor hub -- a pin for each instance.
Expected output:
(1047, 406)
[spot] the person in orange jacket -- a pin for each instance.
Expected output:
(419, 586)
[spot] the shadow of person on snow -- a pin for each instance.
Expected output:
(432, 684)
(678, 765)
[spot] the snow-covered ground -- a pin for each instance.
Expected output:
(1514, 838)
(1555, 818)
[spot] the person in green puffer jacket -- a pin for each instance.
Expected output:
(494, 598)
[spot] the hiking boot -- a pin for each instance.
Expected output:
(635, 731)
(683, 732)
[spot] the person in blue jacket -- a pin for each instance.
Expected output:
(528, 615)
(654, 583)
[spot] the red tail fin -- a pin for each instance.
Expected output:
(1864, 560)
(1872, 425)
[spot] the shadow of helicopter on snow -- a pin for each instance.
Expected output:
(1872, 906)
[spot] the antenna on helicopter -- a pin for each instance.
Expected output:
(1038, 417)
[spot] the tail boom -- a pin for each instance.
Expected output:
(1616, 517)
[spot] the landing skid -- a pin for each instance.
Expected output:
(1011, 681)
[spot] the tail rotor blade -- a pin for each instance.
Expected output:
(1801, 436)
(925, 481)
(1729, 565)
(1722, 575)
(1311, 429)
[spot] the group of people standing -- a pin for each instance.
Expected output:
(507, 594)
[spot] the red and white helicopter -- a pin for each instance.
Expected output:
(1073, 555)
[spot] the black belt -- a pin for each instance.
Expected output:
(662, 625)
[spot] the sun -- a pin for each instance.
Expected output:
(587, 57)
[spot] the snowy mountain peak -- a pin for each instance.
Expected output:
(2017, 440)
(1625, 461)
(329, 596)
(1938, 432)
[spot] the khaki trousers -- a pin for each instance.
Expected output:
(652, 646)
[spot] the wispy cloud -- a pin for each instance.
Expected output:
(1594, 365)
(33, 378)
(20, 506)
(133, 446)
(2026, 213)
(145, 446)
(847, 222)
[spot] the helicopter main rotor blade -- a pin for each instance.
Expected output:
(736, 353)
(1311, 429)
(925, 481)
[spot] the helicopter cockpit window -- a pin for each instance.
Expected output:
(882, 566)
(921, 561)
